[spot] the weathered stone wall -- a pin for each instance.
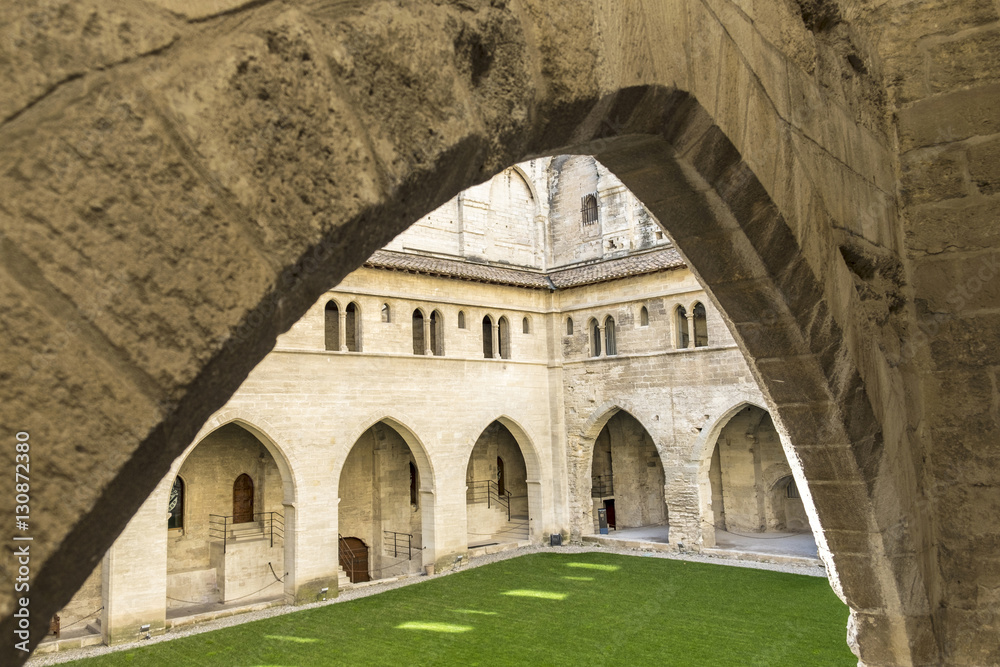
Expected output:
(266, 149)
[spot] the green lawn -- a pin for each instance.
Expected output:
(547, 609)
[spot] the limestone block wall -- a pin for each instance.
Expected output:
(403, 293)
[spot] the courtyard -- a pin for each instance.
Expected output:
(555, 607)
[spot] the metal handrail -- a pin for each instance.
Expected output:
(345, 549)
(220, 525)
(602, 486)
(396, 539)
(487, 490)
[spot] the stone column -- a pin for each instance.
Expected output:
(342, 329)
(690, 326)
(427, 336)
(134, 573)
(496, 340)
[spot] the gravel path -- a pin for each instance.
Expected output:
(374, 589)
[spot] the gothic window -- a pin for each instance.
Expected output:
(503, 338)
(418, 332)
(610, 347)
(644, 317)
(437, 334)
(461, 319)
(386, 313)
(332, 315)
(595, 338)
(569, 326)
(352, 326)
(683, 338)
(588, 209)
(175, 506)
(487, 338)
(791, 490)
(700, 326)
(525, 326)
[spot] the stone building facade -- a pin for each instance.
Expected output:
(446, 398)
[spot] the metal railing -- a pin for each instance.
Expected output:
(397, 543)
(348, 557)
(487, 491)
(271, 524)
(602, 486)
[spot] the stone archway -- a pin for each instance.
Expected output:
(277, 149)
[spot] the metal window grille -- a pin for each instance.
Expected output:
(588, 209)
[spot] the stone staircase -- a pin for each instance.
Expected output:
(516, 529)
(245, 532)
(343, 581)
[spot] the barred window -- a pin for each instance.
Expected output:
(588, 208)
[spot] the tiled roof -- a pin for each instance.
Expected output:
(610, 269)
(593, 272)
(450, 268)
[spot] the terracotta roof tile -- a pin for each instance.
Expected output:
(593, 272)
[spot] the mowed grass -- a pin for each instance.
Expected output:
(546, 609)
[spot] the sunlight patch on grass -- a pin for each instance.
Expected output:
(594, 566)
(287, 638)
(433, 626)
(544, 595)
(579, 578)
(474, 611)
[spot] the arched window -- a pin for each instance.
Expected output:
(610, 347)
(525, 326)
(683, 338)
(332, 315)
(414, 485)
(487, 338)
(588, 209)
(461, 319)
(175, 506)
(700, 326)
(386, 313)
(569, 326)
(352, 326)
(503, 338)
(418, 332)
(437, 334)
(644, 317)
(595, 338)
(792, 491)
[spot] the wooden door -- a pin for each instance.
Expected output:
(243, 499)
(354, 559)
(609, 505)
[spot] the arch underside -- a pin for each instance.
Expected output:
(324, 190)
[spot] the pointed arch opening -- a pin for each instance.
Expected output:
(418, 331)
(437, 334)
(683, 340)
(755, 503)
(380, 506)
(496, 483)
(487, 338)
(595, 337)
(627, 478)
(231, 496)
(610, 342)
(352, 327)
(503, 337)
(699, 321)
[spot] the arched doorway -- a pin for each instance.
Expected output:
(627, 480)
(496, 489)
(226, 531)
(756, 505)
(380, 507)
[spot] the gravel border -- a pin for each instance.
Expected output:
(374, 589)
